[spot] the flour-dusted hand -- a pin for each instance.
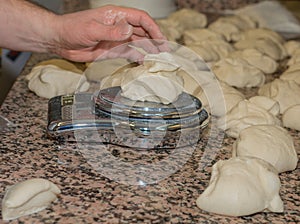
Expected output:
(80, 36)
(89, 34)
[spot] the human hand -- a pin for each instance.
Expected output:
(87, 35)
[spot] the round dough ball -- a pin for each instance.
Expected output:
(211, 50)
(243, 115)
(291, 46)
(267, 103)
(156, 80)
(188, 19)
(261, 33)
(206, 53)
(28, 197)
(257, 59)
(270, 143)
(162, 87)
(241, 186)
(230, 98)
(49, 81)
(290, 117)
(285, 92)
(169, 29)
(273, 49)
(225, 28)
(243, 22)
(198, 35)
(194, 81)
(97, 70)
(62, 64)
(238, 73)
(295, 58)
(292, 73)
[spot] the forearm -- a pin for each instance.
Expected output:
(25, 26)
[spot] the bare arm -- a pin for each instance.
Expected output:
(25, 26)
(80, 36)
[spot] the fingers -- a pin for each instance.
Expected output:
(139, 19)
(117, 32)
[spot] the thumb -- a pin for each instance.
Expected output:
(117, 32)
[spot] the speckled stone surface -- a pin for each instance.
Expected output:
(93, 193)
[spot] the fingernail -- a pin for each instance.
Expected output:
(126, 29)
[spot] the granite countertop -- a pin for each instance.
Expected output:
(91, 193)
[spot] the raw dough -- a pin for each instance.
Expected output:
(291, 46)
(238, 73)
(261, 33)
(195, 61)
(270, 143)
(194, 81)
(242, 22)
(188, 19)
(169, 29)
(267, 103)
(205, 52)
(161, 87)
(243, 115)
(232, 26)
(97, 70)
(292, 73)
(211, 50)
(61, 63)
(290, 117)
(215, 103)
(156, 80)
(285, 92)
(49, 81)
(242, 186)
(198, 35)
(273, 49)
(28, 197)
(257, 59)
(295, 58)
(225, 28)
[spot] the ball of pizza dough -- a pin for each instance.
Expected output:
(169, 29)
(211, 50)
(218, 104)
(98, 70)
(285, 92)
(261, 33)
(257, 59)
(162, 87)
(290, 117)
(268, 142)
(243, 115)
(225, 28)
(295, 58)
(62, 64)
(291, 46)
(231, 26)
(292, 73)
(238, 73)
(188, 19)
(267, 103)
(242, 186)
(49, 81)
(193, 36)
(268, 47)
(27, 197)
